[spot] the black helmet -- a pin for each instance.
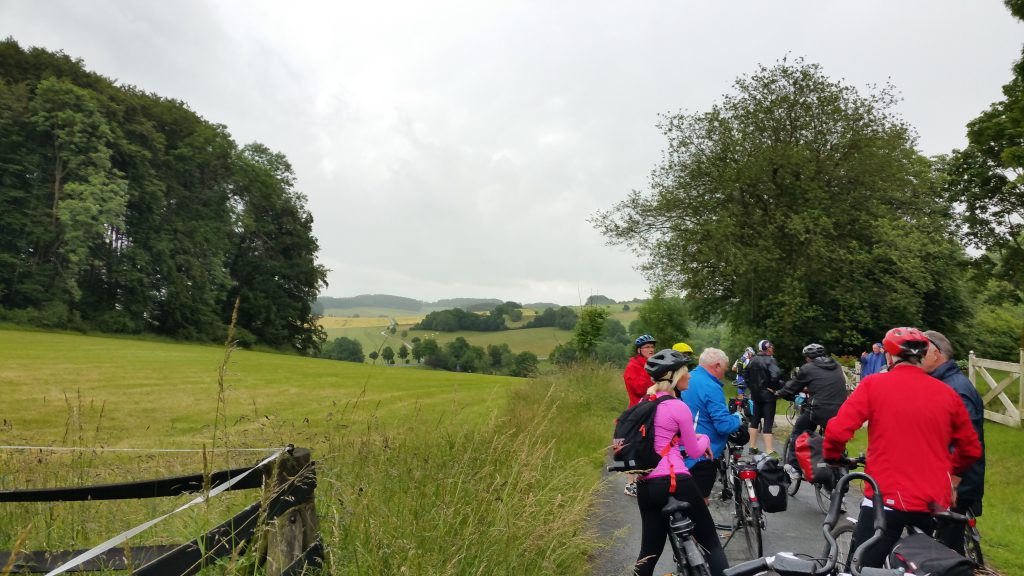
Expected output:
(814, 350)
(668, 360)
(741, 436)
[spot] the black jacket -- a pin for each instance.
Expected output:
(825, 383)
(972, 481)
(762, 373)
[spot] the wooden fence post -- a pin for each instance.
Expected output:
(296, 529)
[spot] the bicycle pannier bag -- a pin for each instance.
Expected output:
(810, 455)
(919, 554)
(770, 485)
(633, 439)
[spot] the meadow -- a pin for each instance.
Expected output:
(439, 473)
(540, 341)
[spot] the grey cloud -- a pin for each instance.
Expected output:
(456, 148)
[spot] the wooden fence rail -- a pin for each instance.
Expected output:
(1011, 414)
(289, 544)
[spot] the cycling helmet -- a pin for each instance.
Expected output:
(682, 347)
(764, 345)
(814, 350)
(741, 436)
(905, 342)
(645, 339)
(666, 361)
(749, 351)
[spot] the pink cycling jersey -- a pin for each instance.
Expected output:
(673, 417)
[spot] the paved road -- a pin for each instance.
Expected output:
(798, 529)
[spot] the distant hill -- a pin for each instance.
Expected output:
(370, 301)
(467, 303)
(402, 304)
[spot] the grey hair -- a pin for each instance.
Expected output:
(713, 356)
(941, 342)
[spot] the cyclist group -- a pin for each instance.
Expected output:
(925, 437)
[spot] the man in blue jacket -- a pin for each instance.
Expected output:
(711, 416)
(939, 363)
(872, 363)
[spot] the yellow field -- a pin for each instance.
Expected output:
(330, 322)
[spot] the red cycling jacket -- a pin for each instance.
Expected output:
(913, 420)
(637, 379)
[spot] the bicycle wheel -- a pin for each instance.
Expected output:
(843, 533)
(748, 520)
(792, 412)
(794, 482)
(972, 546)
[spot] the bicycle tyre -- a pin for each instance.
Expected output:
(824, 497)
(748, 520)
(843, 533)
(972, 547)
(794, 485)
(792, 412)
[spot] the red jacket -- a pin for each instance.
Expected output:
(913, 420)
(637, 379)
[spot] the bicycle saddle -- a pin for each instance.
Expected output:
(674, 506)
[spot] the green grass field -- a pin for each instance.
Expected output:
(420, 471)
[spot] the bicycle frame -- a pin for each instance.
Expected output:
(686, 553)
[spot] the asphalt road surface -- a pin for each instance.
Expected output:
(617, 518)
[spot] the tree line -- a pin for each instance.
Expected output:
(456, 356)
(124, 211)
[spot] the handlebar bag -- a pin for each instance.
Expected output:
(921, 555)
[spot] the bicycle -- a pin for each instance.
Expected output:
(789, 564)
(686, 552)
(844, 528)
(738, 501)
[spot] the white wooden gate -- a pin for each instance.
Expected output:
(1012, 415)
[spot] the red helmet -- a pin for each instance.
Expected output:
(905, 342)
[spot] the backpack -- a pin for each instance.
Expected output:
(810, 455)
(633, 440)
(920, 554)
(770, 486)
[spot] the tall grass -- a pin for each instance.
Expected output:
(511, 497)
(420, 472)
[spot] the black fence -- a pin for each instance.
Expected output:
(290, 543)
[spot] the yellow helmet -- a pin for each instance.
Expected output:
(682, 347)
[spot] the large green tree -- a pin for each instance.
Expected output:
(986, 181)
(796, 208)
(274, 267)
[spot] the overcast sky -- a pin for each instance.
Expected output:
(456, 148)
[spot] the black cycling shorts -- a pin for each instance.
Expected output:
(764, 416)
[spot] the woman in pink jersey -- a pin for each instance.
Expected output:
(673, 423)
